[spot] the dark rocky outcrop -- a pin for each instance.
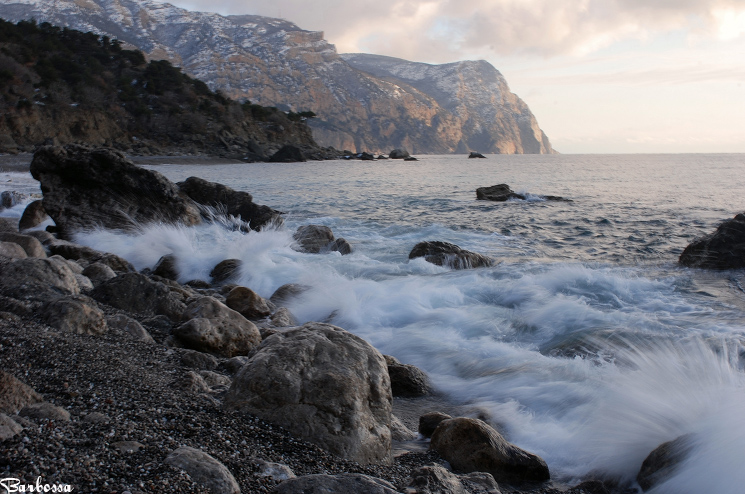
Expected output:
(228, 201)
(325, 385)
(398, 154)
(474, 154)
(317, 239)
(33, 215)
(661, 463)
(470, 445)
(722, 249)
(501, 192)
(287, 154)
(407, 381)
(139, 294)
(450, 255)
(85, 188)
(429, 422)
(226, 270)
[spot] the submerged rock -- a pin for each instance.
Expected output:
(661, 463)
(722, 249)
(447, 254)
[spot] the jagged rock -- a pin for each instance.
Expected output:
(287, 292)
(323, 384)
(197, 360)
(447, 254)
(410, 158)
(435, 479)
(15, 395)
(317, 238)
(29, 244)
(471, 445)
(356, 483)
(398, 154)
(214, 328)
(12, 250)
(37, 279)
(8, 225)
(8, 427)
(166, 267)
(229, 201)
(45, 411)
(407, 381)
(32, 216)
(10, 198)
(75, 315)
(661, 463)
(247, 302)
(501, 192)
(226, 270)
(205, 470)
(130, 326)
(85, 188)
(136, 293)
(276, 471)
(287, 154)
(98, 273)
(722, 249)
(474, 154)
(429, 422)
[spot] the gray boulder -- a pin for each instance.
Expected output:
(287, 293)
(429, 422)
(33, 215)
(15, 395)
(136, 293)
(204, 470)
(323, 384)
(435, 479)
(471, 445)
(12, 250)
(130, 326)
(662, 463)
(197, 360)
(87, 255)
(77, 315)
(37, 279)
(316, 239)
(722, 249)
(30, 245)
(276, 471)
(167, 267)
(356, 483)
(398, 154)
(10, 198)
(98, 273)
(450, 255)
(84, 188)
(499, 193)
(226, 270)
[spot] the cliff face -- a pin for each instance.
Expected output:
(363, 102)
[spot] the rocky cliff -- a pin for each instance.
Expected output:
(363, 102)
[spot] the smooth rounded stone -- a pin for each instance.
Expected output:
(287, 293)
(276, 471)
(116, 194)
(339, 245)
(313, 238)
(45, 411)
(98, 273)
(15, 395)
(136, 293)
(399, 431)
(96, 418)
(75, 315)
(247, 302)
(8, 225)
(30, 245)
(84, 282)
(664, 460)
(10, 198)
(42, 236)
(226, 270)
(167, 267)
(407, 381)
(197, 360)
(33, 215)
(214, 328)
(429, 422)
(722, 249)
(191, 382)
(12, 250)
(283, 318)
(131, 326)
(499, 193)
(323, 384)
(233, 365)
(204, 470)
(471, 445)
(128, 447)
(434, 479)
(8, 427)
(198, 284)
(37, 279)
(450, 255)
(398, 154)
(356, 483)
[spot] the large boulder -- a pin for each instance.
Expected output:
(85, 188)
(288, 154)
(318, 238)
(205, 470)
(30, 245)
(248, 303)
(501, 192)
(398, 154)
(450, 255)
(722, 249)
(226, 200)
(12, 250)
(136, 293)
(661, 463)
(38, 279)
(33, 215)
(323, 384)
(214, 328)
(471, 445)
(77, 315)
(356, 483)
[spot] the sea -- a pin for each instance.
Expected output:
(586, 343)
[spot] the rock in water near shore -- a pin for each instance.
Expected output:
(662, 462)
(722, 249)
(500, 192)
(85, 188)
(323, 384)
(288, 154)
(317, 238)
(398, 154)
(233, 202)
(447, 254)
(474, 154)
(471, 445)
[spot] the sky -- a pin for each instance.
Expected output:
(601, 76)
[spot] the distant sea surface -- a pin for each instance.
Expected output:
(586, 344)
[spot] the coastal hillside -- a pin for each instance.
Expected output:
(361, 102)
(60, 86)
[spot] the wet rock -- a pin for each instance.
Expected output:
(37, 279)
(437, 480)
(84, 188)
(12, 250)
(8, 427)
(471, 445)
(8, 225)
(75, 315)
(407, 381)
(287, 293)
(356, 483)
(205, 470)
(214, 328)
(447, 254)
(722, 249)
(33, 216)
(316, 239)
(130, 326)
(14, 395)
(287, 154)
(10, 198)
(98, 273)
(248, 303)
(429, 422)
(81, 253)
(226, 270)
(364, 156)
(474, 154)
(166, 267)
(29, 244)
(276, 471)
(233, 202)
(398, 154)
(283, 318)
(662, 463)
(45, 411)
(590, 487)
(136, 293)
(499, 193)
(197, 360)
(399, 431)
(323, 384)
